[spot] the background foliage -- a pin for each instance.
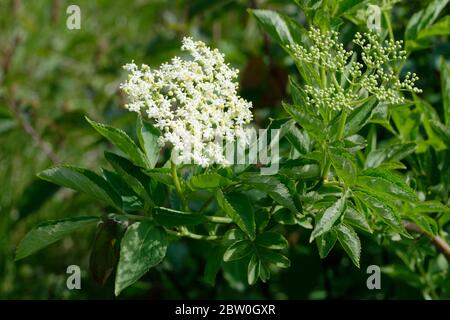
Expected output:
(51, 77)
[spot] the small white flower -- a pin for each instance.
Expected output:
(191, 101)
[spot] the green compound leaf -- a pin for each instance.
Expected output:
(143, 246)
(386, 183)
(443, 132)
(238, 207)
(130, 199)
(132, 174)
(208, 181)
(253, 270)
(326, 242)
(272, 187)
(308, 121)
(430, 206)
(440, 28)
(349, 240)
(356, 219)
(423, 19)
(121, 140)
(359, 117)
(329, 218)
(83, 180)
(148, 140)
(271, 240)
(343, 163)
(382, 210)
(445, 88)
(282, 29)
(274, 258)
(390, 153)
(238, 250)
(426, 223)
(49, 232)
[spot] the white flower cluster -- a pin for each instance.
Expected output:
(374, 75)
(193, 102)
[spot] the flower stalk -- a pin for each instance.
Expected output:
(177, 183)
(188, 234)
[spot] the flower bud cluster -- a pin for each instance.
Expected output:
(372, 74)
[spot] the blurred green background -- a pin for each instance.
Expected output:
(50, 77)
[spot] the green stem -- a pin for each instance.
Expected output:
(188, 234)
(323, 77)
(176, 181)
(334, 183)
(360, 101)
(402, 63)
(323, 83)
(342, 125)
(326, 166)
(389, 25)
(335, 81)
(215, 219)
(340, 135)
(212, 219)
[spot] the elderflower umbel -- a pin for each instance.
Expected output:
(325, 55)
(193, 102)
